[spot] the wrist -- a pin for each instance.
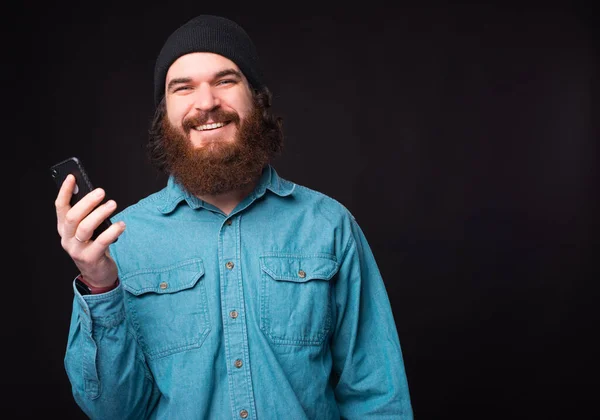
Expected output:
(88, 289)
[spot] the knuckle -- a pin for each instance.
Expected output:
(70, 218)
(64, 243)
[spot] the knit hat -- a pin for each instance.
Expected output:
(206, 33)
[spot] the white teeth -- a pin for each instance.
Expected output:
(209, 126)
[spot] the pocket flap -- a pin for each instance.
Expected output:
(299, 268)
(168, 279)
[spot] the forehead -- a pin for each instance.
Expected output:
(199, 65)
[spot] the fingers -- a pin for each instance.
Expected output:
(91, 255)
(62, 202)
(109, 236)
(86, 227)
(76, 225)
(90, 252)
(81, 240)
(69, 218)
(98, 268)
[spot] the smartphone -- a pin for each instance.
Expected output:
(83, 185)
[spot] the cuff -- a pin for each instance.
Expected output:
(93, 290)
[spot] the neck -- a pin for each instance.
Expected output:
(227, 201)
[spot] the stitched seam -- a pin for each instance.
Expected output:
(166, 269)
(109, 321)
(157, 354)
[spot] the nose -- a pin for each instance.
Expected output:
(205, 99)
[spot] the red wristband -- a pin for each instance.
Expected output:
(96, 290)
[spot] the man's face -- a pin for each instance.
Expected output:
(211, 132)
(207, 98)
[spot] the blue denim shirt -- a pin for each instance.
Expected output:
(276, 311)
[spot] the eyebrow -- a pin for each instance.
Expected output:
(218, 75)
(228, 72)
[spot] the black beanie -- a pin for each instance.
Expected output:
(206, 33)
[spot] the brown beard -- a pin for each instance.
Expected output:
(224, 165)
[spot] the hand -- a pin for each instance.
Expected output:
(77, 224)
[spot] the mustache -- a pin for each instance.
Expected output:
(217, 115)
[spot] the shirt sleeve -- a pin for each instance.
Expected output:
(107, 370)
(367, 357)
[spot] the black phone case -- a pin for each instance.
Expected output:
(74, 166)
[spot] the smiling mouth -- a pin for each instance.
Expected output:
(212, 126)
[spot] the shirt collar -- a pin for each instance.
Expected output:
(174, 193)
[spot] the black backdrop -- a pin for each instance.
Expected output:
(463, 139)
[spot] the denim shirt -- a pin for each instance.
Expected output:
(275, 311)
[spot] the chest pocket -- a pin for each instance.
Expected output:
(168, 307)
(296, 298)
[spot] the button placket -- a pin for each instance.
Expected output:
(232, 304)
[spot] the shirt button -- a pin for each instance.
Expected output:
(301, 274)
(228, 222)
(163, 285)
(229, 265)
(238, 363)
(243, 414)
(233, 314)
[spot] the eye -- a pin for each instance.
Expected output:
(179, 88)
(225, 82)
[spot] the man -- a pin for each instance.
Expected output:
(230, 293)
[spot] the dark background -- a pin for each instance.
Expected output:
(463, 139)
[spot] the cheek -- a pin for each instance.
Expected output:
(244, 108)
(175, 113)
(239, 99)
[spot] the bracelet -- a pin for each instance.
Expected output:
(94, 290)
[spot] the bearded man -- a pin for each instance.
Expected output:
(231, 292)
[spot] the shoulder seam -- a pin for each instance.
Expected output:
(320, 194)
